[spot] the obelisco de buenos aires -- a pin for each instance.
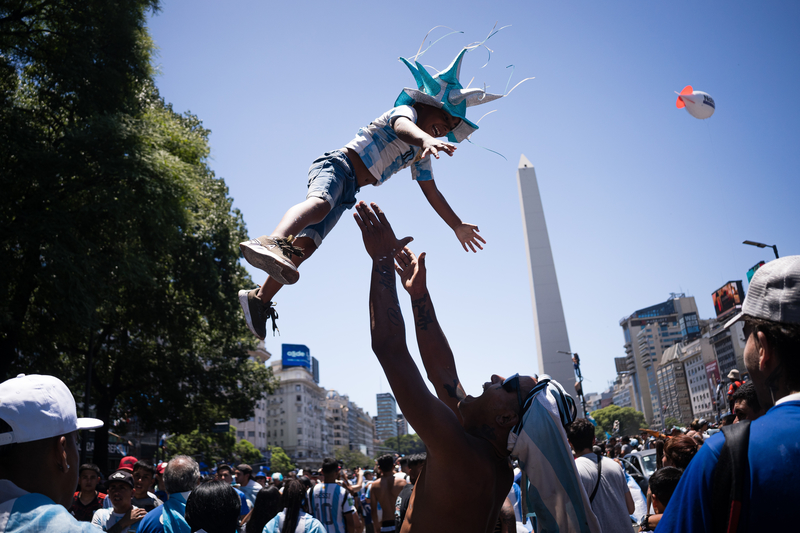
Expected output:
(548, 313)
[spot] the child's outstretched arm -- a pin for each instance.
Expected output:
(409, 132)
(467, 234)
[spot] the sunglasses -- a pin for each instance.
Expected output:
(511, 384)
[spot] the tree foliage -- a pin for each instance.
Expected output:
(630, 420)
(352, 458)
(405, 444)
(213, 448)
(279, 461)
(118, 244)
(671, 422)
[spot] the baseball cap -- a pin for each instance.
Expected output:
(121, 475)
(38, 407)
(277, 476)
(126, 463)
(161, 466)
(774, 293)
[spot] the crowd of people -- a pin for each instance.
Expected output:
(740, 475)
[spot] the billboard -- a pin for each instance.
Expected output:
(296, 355)
(727, 297)
(622, 364)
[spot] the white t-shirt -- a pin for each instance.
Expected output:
(609, 503)
(106, 518)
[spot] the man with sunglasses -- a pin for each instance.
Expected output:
(770, 488)
(458, 430)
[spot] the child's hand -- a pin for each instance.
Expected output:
(434, 146)
(412, 271)
(468, 235)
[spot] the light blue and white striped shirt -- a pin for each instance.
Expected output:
(384, 153)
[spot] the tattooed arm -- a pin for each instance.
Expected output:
(433, 346)
(433, 420)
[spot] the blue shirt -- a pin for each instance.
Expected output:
(36, 513)
(773, 487)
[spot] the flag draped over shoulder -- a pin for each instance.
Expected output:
(550, 484)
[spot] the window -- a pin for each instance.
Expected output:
(251, 434)
(281, 436)
(299, 398)
(298, 388)
(299, 431)
(240, 434)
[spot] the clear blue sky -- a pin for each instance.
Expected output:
(641, 199)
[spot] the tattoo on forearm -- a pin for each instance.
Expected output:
(487, 432)
(422, 313)
(387, 281)
(454, 390)
(394, 316)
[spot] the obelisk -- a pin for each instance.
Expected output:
(548, 313)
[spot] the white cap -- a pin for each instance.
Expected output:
(774, 293)
(37, 407)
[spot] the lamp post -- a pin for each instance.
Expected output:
(576, 366)
(762, 245)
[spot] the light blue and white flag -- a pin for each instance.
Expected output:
(550, 484)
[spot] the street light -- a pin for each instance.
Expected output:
(762, 245)
(576, 366)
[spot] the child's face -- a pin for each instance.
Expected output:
(436, 122)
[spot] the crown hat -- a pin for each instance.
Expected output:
(444, 91)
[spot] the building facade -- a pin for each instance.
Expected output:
(386, 426)
(647, 333)
(673, 388)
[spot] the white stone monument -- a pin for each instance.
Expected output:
(548, 313)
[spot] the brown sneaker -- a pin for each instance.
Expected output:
(273, 256)
(256, 313)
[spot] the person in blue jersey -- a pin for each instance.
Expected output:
(224, 473)
(407, 135)
(457, 429)
(331, 503)
(181, 476)
(771, 315)
(39, 455)
(293, 519)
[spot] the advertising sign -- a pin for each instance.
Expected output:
(295, 355)
(727, 297)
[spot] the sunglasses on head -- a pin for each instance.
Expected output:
(511, 384)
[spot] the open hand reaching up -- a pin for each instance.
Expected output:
(379, 239)
(412, 272)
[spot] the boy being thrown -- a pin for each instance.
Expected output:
(406, 135)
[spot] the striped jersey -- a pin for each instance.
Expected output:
(384, 153)
(329, 502)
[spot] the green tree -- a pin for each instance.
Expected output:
(630, 420)
(405, 444)
(352, 458)
(245, 452)
(118, 244)
(671, 421)
(279, 461)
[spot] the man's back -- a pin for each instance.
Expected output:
(609, 504)
(385, 492)
(329, 502)
(774, 484)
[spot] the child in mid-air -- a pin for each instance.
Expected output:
(406, 135)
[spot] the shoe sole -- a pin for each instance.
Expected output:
(269, 262)
(243, 301)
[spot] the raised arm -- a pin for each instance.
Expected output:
(467, 234)
(432, 419)
(409, 132)
(434, 349)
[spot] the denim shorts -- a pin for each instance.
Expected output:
(331, 177)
